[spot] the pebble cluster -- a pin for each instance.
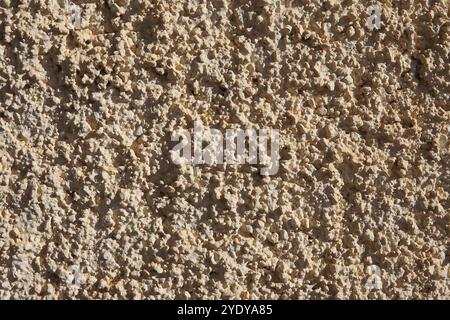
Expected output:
(92, 207)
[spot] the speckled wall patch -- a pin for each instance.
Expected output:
(92, 205)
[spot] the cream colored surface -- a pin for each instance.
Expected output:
(86, 180)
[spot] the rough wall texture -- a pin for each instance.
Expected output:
(91, 205)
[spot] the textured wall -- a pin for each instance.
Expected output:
(92, 206)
